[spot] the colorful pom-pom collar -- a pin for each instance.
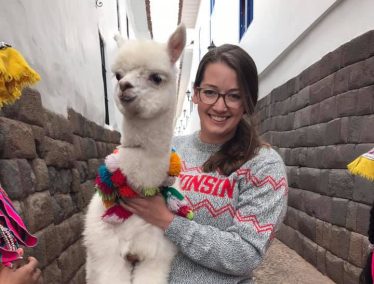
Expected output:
(111, 184)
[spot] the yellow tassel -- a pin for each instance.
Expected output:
(175, 166)
(363, 165)
(15, 74)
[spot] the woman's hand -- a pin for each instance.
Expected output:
(152, 209)
(26, 274)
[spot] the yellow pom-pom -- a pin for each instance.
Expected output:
(175, 166)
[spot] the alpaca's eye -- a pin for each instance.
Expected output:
(118, 76)
(155, 78)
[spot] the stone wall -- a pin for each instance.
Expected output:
(320, 121)
(47, 167)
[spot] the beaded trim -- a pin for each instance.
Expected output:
(8, 238)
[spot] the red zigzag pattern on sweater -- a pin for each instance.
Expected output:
(275, 185)
(229, 208)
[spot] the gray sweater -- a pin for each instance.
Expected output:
(235, 216)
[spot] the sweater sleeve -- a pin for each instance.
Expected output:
(240, 248)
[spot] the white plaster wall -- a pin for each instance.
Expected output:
(345, 21)
(278, 23)
(225, 22)
(60, 40)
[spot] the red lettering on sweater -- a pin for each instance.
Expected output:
(206, 184)
(227, 188)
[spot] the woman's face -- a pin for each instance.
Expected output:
(218, 122)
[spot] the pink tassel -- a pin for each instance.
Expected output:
(116, 214)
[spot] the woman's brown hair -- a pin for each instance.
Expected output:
(245, 143)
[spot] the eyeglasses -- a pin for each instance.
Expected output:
(210, 96)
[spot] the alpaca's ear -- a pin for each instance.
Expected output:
(119, 39)
(176, 43)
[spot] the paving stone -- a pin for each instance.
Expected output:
(339, 211)
(365, 101)
(351, 273)
(357, 49)
(28, 108)
(307, 226)
(60, 180)
(71, 260)
(362, 74)
(363, 191)
(58, 127)
(339, 242)
(17, 140)
(52, 274)
(39, 211)
(41, 174)
(334, 267)
(17, 178)
(356, 246)
(328, 110)
(58, 153)
(340, 184)
(322, 89)
(363, 216)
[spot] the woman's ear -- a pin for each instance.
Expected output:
(195, 98)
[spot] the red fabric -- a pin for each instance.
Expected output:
(10, 219)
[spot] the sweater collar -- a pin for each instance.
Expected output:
(205, 147)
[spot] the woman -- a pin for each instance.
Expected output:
(236, 183)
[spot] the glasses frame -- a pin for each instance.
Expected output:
(223, 95)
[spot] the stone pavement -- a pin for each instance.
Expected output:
(283, 265)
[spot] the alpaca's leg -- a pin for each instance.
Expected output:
(155, 271)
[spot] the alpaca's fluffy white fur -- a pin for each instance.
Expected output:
(146, 97)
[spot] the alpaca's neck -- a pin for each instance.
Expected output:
(151, 135)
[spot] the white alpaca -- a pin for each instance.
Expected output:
(146, 97)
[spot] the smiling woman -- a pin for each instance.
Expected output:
(235, 183)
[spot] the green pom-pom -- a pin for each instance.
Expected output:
(150, 191)
(190, 215)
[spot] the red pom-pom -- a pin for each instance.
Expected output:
(127, 192)
(118, 178)
(103, 187)
(184, 210)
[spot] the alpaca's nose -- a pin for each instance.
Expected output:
(125, 85)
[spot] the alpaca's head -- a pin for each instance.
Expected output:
(146, 75)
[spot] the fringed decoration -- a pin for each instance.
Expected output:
(116, 214)
(105, 176)
(15, 74)
(112, 186)
(103, 187)
(177, 203)
(127, 192)
(118, 178)
(150, 191)
(363, 165)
